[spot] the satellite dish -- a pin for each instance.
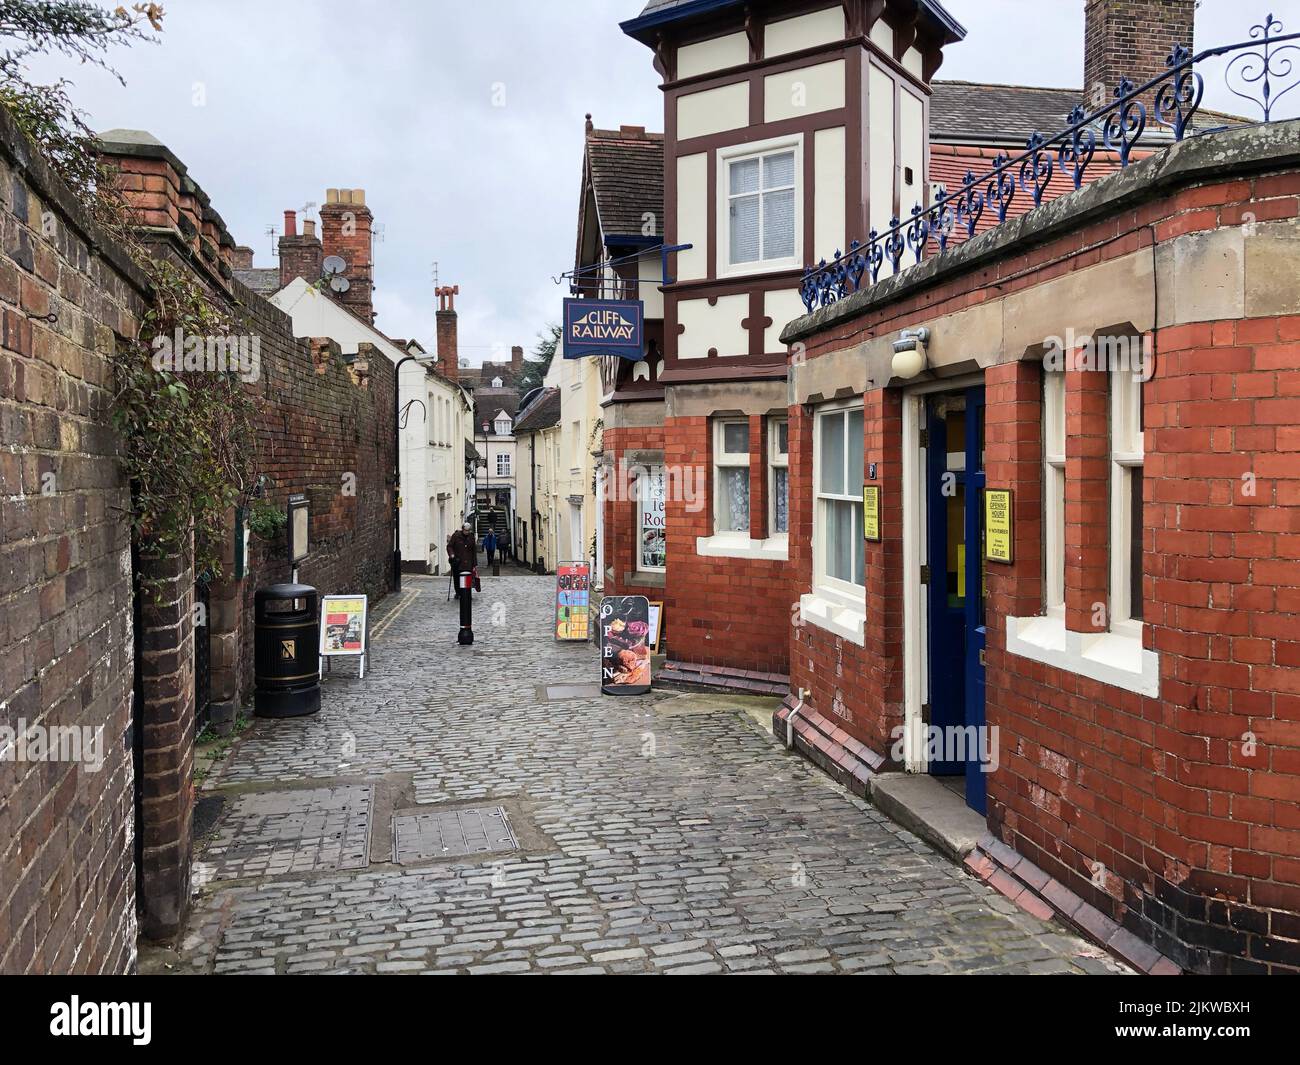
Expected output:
(339, 284)
(334, 264)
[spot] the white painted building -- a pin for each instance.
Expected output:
(435, 422)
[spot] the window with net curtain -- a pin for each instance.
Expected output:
(731, 476)
(761, 207)
(837, 534)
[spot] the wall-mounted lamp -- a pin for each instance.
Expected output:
(909, 352)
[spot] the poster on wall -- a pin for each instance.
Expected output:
(653, 520)
(871, 512)
(624, 651)
(998, 530)
(343, 629)
(573, 601)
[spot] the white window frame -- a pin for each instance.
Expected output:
(1054, 492)
(834, 588)
(757, 149)
(1127, 452)
(642, 478)
(502, 426)
(727, 460)
(777, 460)
(503, 464)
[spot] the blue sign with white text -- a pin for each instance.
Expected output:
(604, 327)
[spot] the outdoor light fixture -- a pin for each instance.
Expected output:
(909, 352)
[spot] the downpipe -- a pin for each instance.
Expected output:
(789, 721)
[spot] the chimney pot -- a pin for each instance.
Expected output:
(309, 228)
(290, 223)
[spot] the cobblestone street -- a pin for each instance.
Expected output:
(666, 833)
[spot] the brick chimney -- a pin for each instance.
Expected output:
(448, 355)
(516, 359)
(242, 258)
(1130, 39)
(300, 255)
(345, 230)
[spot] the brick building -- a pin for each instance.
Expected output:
(1120, 362)
(94, 853)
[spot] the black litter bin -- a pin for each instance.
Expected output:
(286, 650)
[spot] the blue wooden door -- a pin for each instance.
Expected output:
(955, 549)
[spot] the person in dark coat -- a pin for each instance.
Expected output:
(490, 546)
(462, 551)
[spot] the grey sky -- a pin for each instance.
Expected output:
(463, 123)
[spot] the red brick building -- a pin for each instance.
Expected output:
(1122, 362)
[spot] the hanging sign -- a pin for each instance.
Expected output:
(998, 525)
(624, 652)
(871, 512)
(343, 629)
(573, 601)
(604, 327)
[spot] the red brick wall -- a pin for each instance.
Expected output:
(1177, 815)
(729, 611)
(67, 872)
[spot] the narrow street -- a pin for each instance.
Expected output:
(665, 833)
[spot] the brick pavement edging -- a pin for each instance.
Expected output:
(1015, 876)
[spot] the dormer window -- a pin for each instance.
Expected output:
(503, 425)
(496, 382)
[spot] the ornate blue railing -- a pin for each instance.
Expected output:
(1256, 71)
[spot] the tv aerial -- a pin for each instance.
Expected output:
(332, 271)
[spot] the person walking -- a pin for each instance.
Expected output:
(490, 546)
(462, 552)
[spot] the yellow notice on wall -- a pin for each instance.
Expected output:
(998, 525)
(871, 512)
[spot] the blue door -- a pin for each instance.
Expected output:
(955, 549)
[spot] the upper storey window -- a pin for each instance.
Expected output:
(761, 214)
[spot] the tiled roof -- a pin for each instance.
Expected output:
(542, 413)
(950, 162)
(489, 402)
(968, 112)
(264, 280)
(627, 177)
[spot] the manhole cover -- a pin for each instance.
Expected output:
(293, 831)
(556, 692)
(432, 834)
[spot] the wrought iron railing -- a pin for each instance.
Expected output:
(1257, 68)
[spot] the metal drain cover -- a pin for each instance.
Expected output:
(557, 692)
(432, 834)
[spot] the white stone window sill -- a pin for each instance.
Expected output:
(738, 545)
(1115, 658)
(847, 622)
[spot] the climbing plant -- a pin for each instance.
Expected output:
(188, 436)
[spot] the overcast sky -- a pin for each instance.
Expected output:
(463, 123)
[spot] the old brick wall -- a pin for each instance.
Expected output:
(325, 429)
(67, 879)
(1175, 815)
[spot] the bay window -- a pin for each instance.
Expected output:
(838, 547)
(731, 476)
(652, 545)
(1054, 490)
(1126, 456)
(778, 485)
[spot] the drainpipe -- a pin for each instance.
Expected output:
(789, 721)
(532, 504)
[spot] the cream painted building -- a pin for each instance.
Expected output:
(577, 519)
